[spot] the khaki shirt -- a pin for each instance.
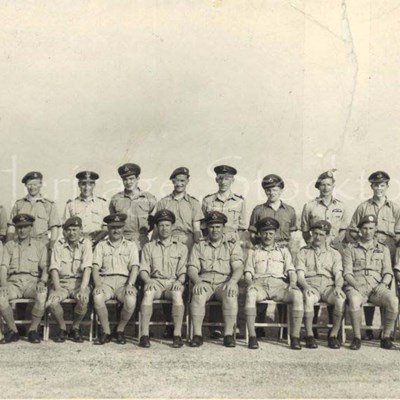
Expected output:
(264, 263)
(69, 261)
(388, 216)
(233, 207)
(115, 259)
(214, 261)
(316, 210)
(44, 211)
(91, 211)
(164, 260)
(138, 208)
(28, 257)
(327, 263)
(358, 260)
(285, 215)
(187, 211)
(3, 221)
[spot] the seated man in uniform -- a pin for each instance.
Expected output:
(268, 269)
(115, 269)
(23, 274)
(215, 267)
(319, 273)
(70, 269)
(368, 273)
(163, 271)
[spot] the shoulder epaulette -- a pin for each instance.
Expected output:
(238, 195)
(69, 201)
(101, 198)
(49, 201)
(192, 197)
(209, 195)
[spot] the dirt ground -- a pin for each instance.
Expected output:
(52, 370)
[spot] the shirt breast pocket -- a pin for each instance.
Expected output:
(377, 261)
(389, 222)
(173, 263)
(359, 264)
(260, 266)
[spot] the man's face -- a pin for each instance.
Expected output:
(215, 231)
(115, 233)
(130, 182)
(267, 236)
(224, 182)
(274, 193)
(180, 182)
(33, 186)
(368, 230)
(86, 188)
(73, 233)
(23, 232)
(326, 187)
(164, 229)
(318, 237)
(379, 189)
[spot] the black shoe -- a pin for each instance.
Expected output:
(386, 343)
(75, 336)
(33, 337)
(253, 343)
(11, 336)
(229, 341)
(120, 337)
(197, 341)
(310, 342)
(295, 343)
(22, 330)
(168, 332)
(315, 333)
(355, 344)
(333, 342)
(216, 334)
(368, 335)
(177, 342)
(3, 341)
(104, 338)
(60, 338)
(260, 332)
(144, 341)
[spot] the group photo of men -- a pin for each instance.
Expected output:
(135, 249)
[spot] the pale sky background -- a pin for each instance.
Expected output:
(287, 87)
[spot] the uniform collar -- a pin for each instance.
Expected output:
(27, 243)
(282, 205)
(185, 196)
(275, 247)
(386, 203)
(171, 241)
(67, 245)
(375, 244)
(30, 199)
(323, 249)
(85, 200)
(321, 201)
(112, 244)
(230, 196)
(134, 196)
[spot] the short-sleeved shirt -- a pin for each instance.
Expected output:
(164, 260)
(361, 259)
(285, 215)
(388, 216)
(233, 207)
(91, 211)
(115, 258)
(186, 209)
(316, 210)
(27, 257)
(44, 211)
(70, 261)
(214, 260)
(138, 208)
(264, 263)
(325, 262)
(3, 221)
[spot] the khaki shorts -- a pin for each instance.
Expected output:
(22, 286)
(113, 287)
(164, 290)
(322, 287)
(215, 291)
(69, 290)
(271, 288)
(368, 284)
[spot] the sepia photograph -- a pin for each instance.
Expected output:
(199, 199)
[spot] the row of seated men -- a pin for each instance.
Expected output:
(214, 267)
(139, 205)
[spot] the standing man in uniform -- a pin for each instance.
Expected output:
(163, 271)
(215, 267)
(285, 214)
(186, 209)
(270, 274)
(89, 208)
(387, 214)
(23, 274)
(368, 274)
(135, 203)
(43, 210)
(319, 273)
(70, 270)
(115, 269)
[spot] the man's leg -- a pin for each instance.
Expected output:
(356, 301)
(309, 317)
(197, 312)
(254, 294)
(229, 312)
(100, 296)
(295, 297)
(146, 311)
